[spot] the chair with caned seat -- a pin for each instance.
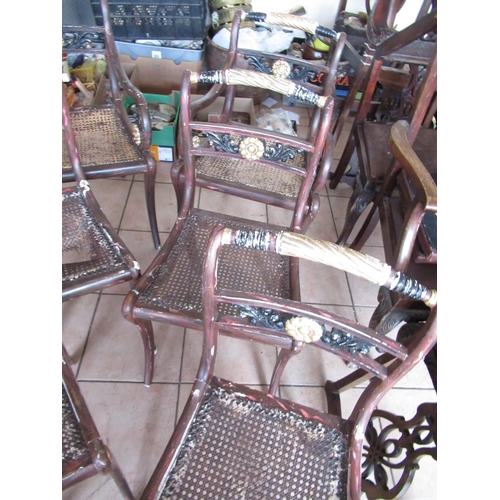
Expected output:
(170, 289)
(248, 179)
(109, 143)
(84, 453)
(232, 441)
(94, 257)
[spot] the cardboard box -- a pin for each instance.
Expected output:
(163, 141)
(158, 76)
(243, 105)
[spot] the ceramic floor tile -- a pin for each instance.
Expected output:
(163, 172)
(112, 196)
(135, 216)
(231, 205)
(77, 317)
(115, 351)
(237, 360)
(136, 423)
(320, 284)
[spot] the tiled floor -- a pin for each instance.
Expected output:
(107, 352)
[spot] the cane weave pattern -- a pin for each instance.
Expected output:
(239, 448)
(74, 446)
(87, 249)
(101, 138)
(251, 174)
(177, 284)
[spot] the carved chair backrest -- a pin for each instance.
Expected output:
(98, 42)
(309, 324)
(240, 141)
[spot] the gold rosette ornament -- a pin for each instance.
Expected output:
(303, 329)
(251, 148)
(281, 68)
(196, 141)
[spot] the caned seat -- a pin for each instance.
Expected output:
(108, 143)
(233, 441)
(93, 255)
(171, 289)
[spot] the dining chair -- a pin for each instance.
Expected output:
(317, 75)
(170, 289)
(94, 257)
(369, 140)
(237, 177)
(232, 441)
(109, 144)
(84, 452)
(407, 203)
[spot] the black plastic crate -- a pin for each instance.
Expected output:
(167, 20)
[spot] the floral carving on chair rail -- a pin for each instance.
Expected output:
(251, 148)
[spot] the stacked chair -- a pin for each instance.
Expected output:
(170, 289)
(239, 277)
(108, 143)
(94, 258)
(232, 441)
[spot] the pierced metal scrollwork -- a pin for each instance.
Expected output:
(276, 320)
(82, 40)
(397, 447)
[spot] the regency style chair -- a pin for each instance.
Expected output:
(93, 255)
(371, 142)
(319, 76)
(242, 177)
(235, 442)
(170, 289)
(109, 144)
(84, 453)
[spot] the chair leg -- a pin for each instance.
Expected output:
(336, 177)
(332, 399)
(175, 176)
(146, 330)
(119, 479)
(360, 199)
(283, 358)
(149, 187)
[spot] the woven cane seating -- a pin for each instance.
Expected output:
(235, 442)
(170, 289)
(93, 255)
(109, 144)
(84, 453)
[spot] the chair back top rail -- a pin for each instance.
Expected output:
(260, 80)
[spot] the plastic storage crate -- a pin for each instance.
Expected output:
(162, 20)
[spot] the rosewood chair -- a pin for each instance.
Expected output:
(232, 441)
(84, 453)
(109, 144)
(93, 255)
(370, 139)
(239, 177)
(170, 289)
(314, 75)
